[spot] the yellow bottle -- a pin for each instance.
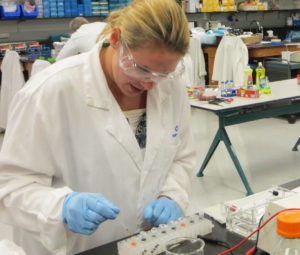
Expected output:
(248, 77)
(260, 76)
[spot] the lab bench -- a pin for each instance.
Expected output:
(258, 51)
(284, 99)
(219, 232)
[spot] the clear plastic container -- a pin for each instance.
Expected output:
(288, 227)
(185, 246)
(243, 216)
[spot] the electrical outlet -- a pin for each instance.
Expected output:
(4, 35)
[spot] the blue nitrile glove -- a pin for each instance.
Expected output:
(83, 212)
(162, 211)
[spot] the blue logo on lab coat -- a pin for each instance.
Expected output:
(176, 131)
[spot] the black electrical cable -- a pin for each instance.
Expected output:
(259, 224)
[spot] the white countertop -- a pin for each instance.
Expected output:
(280, 90)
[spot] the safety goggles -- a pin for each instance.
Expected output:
(141, 73)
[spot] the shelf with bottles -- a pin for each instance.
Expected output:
(18, 9)
(232, 6)
(240, 11)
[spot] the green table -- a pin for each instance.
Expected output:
(284, 99)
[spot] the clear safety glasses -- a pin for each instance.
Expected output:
(141, 73)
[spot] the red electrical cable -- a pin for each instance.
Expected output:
(256, 230)
(250, 252)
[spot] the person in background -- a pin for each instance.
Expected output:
(99, 145)
(83, 38)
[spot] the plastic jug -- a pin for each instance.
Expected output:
(248, 77)
(260, 76)
(288, 227)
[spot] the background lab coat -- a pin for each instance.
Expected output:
(66, 132)
(197, 60)
(230, 61)
(12, 82)
(39, 65)
(82, 40)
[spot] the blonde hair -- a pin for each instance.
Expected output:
(145, 22)
(77, 23)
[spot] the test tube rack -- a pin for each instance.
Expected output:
(152, 242)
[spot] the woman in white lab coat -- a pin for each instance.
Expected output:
(100, 143)
(82, 39)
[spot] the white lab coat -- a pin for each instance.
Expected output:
(12, 82)
(82, 40)
(188, 74)
(194, 62)
(198, 60)
(230, 61)
(39, 65)
(66, 132)
(8, 247)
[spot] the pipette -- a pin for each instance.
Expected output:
(123, 225)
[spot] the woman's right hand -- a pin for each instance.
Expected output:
(84, 212)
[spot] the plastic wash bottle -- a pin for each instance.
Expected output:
(260, 76)
(248, 77)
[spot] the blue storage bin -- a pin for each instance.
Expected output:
(53, 10)
(104, 13)
(296, 23)
(33, 53)
(46, 14)
(29, 15)
(53, 15)
(87, 10)
(68, 14)
(60, 14)
(74, 13)
(87, 13)
(46, 5)
(10, 15)
(113, 6)
(117, 2)
(45, 51)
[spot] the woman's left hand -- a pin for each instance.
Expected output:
(162, 211)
